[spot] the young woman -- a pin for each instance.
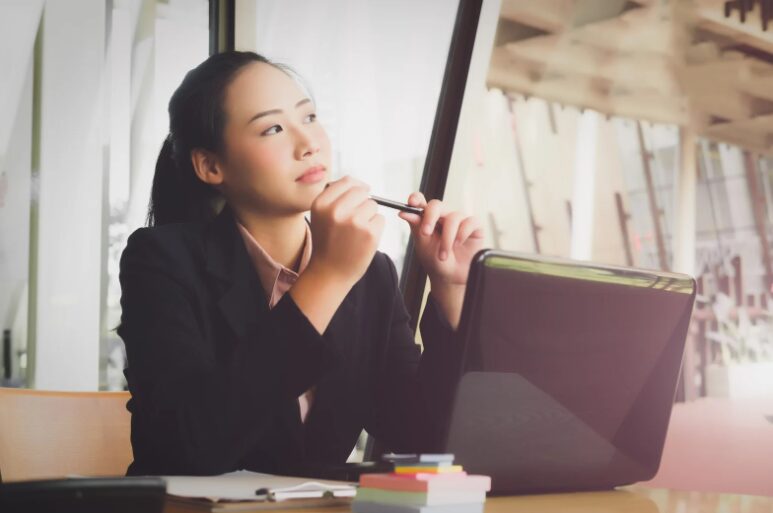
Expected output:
(257, 339)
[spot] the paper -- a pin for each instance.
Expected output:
(236, 486)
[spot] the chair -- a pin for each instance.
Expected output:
(47, 434)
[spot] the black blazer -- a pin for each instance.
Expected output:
(214, 374)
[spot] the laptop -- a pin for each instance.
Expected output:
(568, 374)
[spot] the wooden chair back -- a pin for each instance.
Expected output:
(46, 434)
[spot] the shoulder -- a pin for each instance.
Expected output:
(172, 238)
(168, 235)
(173, 246)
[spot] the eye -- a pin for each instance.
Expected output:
(271, 131)
(313, 117)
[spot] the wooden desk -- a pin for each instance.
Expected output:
(624, 500)
(719, 445)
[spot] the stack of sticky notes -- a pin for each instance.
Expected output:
(424, 483)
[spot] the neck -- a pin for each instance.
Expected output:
(282, 237)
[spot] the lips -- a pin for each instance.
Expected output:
(311, 171)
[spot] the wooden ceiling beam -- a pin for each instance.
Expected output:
(709, 15)
(703, 52)
(758, 143)
(629, 71)
(762, 124)
(643, 30)
(730, 104)
(549, 15)
(684, 64)
(759, 83)
(712, 77)
(732, 88)
(584, 92)
(581, 93)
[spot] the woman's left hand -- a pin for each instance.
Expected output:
(445, 251)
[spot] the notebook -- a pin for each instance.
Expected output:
(251, 491)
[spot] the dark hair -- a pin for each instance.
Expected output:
(196, 120)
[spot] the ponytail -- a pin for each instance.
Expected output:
(177, 195)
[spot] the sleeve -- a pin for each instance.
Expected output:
(413, 390)
(200, 413)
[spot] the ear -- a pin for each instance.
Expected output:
(207, 166)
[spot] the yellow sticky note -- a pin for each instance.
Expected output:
(428, 470)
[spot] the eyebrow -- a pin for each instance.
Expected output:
(276, 111)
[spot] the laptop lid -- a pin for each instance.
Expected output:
(569, 371)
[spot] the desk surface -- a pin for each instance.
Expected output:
(624, 500)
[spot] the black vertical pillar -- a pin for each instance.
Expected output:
(7, 369)
(221, 26)
(441, 144)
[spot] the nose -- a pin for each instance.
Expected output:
(306, 146)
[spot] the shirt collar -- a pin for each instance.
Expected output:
(269, 269)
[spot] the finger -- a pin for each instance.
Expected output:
(469, 227)
(364, 212)
(344, 206)
(451, 224)
(429, 218)
(413, 219)
(414, 222)
(377, 224)
(333, 190)
(416, 199)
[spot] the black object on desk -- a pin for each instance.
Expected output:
(84, 495)
(345, 471)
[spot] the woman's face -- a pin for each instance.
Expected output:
(271, 138)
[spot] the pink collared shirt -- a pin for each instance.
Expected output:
(276, 280)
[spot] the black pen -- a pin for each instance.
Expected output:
(397, 205)
(406, 208)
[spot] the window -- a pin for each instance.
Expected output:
(82, 118)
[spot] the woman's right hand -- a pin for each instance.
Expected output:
(345, 229)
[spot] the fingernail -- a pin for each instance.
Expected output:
(427, 229)
(443, 254)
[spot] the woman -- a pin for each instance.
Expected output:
(248, 349)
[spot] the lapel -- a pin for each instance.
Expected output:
(234, 280)
(243, 304)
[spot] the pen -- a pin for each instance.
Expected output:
(402, 206)
(397, 205)
(405, 208)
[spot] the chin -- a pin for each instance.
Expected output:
(304, 204)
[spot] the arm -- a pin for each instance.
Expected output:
(412, 390)
(450, 298)
(199, 414)
(318, 296)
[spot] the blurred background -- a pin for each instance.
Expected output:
(630, 132)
